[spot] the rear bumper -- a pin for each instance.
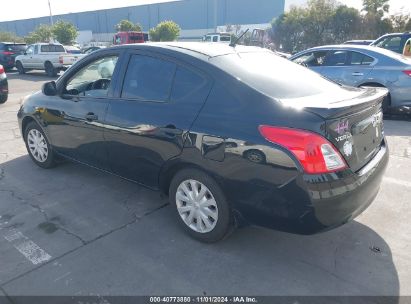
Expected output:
(7, 62)
(311, 204)
(338, 201)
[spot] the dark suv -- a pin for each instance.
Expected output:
(394, 42)
(9, 51)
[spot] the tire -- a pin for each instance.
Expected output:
(50, 70)
(255, 156)
(219, 215)
(32, 133)
(386, 103)
(20, 68)
(3, 98)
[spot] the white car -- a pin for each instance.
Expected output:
(50, 57)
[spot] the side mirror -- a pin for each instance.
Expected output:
(50, 88)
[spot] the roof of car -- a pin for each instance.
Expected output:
(208, 49)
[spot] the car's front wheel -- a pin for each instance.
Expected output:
(200, 206)
(20, 68)
(38, 146)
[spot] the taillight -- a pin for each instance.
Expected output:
(7, 53)
(1, 69)
(407, 72)
(315, 153)
(61, 60)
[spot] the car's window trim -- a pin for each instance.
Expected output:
(374, 60)
(152, 53)
(62, 82)
(143, 99)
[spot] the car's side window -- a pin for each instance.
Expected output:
(148, 78)
(336, 58)
(186, 85)
(312, 59)
(94, 79)
(360, 59)
(36, 49)
(29, 50)
(391, 43)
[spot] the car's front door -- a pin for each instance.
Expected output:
(157, 104)
(27, 58)
(334, 65)
(75, 117)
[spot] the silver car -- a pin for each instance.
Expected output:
(357, 66)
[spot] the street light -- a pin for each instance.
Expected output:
(51, 15)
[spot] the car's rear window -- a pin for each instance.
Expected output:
(52, 48)
(15, 47)
(275, 76)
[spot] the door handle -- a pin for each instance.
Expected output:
(357, 74)
(91, 117)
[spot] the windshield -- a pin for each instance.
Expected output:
(275, 76)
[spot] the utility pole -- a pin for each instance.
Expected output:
(215, 16)
(51, 15)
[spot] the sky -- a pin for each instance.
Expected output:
(22, 9)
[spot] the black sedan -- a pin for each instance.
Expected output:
(4, 87)
(233, 135)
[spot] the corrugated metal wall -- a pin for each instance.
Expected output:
(189, 14)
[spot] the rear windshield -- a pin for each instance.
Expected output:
(52, 48)
(225, 38)
(275, 76)
(15, 47)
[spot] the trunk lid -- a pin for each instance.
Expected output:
(353, 122)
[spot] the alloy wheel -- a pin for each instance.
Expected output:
(37, 145)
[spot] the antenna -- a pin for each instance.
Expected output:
(233, 44)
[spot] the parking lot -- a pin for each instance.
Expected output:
(73, 230)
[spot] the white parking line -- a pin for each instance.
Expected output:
(397, 181)
(30, 250)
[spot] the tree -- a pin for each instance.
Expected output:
(11, 37)
(42, 33)
(345, 24)
(376, 7)
(399, 22)
(165, 31)
(318, 21)
(64, 32)
(408, 25)
(287, 31)
(128, 26)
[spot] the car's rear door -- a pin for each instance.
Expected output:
(357, 69)
(347, 67)
(146, 125)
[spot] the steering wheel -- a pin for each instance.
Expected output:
(101, 84)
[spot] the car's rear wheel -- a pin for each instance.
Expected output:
(200, 206)
(50, 70)
(38, 146)
(20, 68)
